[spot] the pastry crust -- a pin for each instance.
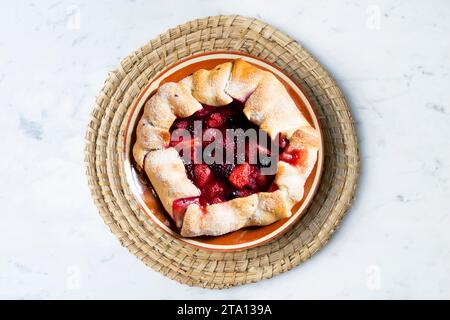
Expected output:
(166, 172)
(307, 141)
(291, 181)
(208, 86)
(267, 104)
(271, 107)
(152, 138)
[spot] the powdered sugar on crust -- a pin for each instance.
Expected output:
(267, 103)
(258, 209)
(290, 181)
(208, 86)
(170, 101)
(244, 79)
(219, 218)
(166, 172)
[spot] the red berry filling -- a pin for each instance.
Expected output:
(179, 208)
(219, 182)
(202, 175)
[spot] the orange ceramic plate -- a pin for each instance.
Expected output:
(141, 187)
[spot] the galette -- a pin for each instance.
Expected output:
(225, 149)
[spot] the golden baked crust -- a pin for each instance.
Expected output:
(258, 209)
(208, 86)
(267, 104)
(170, 101)
(290, 180)
(166, 172)
(244, 80)
(306, 140)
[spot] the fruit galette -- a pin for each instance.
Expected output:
(225, 148)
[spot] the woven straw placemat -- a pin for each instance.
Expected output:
(117, 205)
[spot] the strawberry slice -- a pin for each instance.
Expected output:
(202, 175)
(215, 192)
(243, 176)
(179, 208)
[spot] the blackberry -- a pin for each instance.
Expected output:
(222, 170)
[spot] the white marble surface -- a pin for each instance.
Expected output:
(391, 58)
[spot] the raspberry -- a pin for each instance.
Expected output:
(215, 192)
(286, 156)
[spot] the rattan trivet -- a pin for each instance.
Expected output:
(117, 205)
